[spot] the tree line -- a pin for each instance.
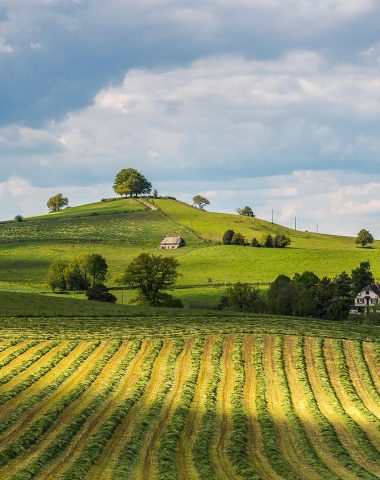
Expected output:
(268, 241)
(304, 295)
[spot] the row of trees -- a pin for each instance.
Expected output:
(268, 241)
(303, 295)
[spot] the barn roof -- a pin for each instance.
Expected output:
(171, 241)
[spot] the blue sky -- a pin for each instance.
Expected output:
(271, 103)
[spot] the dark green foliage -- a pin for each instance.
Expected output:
(76, 276)
(131, 182)
(244, 296)
(281, 241)
(364, 237)
(56, 277)
(19, 218)
(361, 277)
(227, 237)
(96, 266)
(100, 293)
(238, 239)
(324, 294)
(268, 241)
(341, 302)
(255, 242)
(56, 203)
(152, 275)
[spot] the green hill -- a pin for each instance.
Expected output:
(123, 228)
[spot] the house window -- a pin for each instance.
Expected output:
(360, 300)
(367, 292)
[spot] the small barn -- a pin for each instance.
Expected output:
(169, 243)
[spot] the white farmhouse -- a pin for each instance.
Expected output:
(367, 298)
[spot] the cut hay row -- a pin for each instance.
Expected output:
(25, 444)
(72, 357)
(8, 346)
(177, 414)
(371, 353)
(360, 377)
(223, 429)
(12, 355)
(146, 466)
(232, 406)
(185, 458)
(253, 404)
(106, 463)
(350, 436)
(31, 365)
(110, 379)
(320, 433)
(129, 463)
(293, 443)
(346, 393)
(238, 443)
(209, 418)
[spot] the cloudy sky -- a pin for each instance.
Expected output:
(270, 103)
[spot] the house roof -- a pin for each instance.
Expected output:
(375, 288)
(171, 241)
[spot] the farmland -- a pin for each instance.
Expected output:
(169, 395)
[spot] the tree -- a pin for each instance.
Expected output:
(341, 301)
(267, 241)
(131, 182)
(200, 201)
(100, 293)
(324, 294)
(255, 242)
(155, 193)
(57, 202)
(238, 239)
(19, 218)
(243, 296)
(361, 277)
(227, 237)
(281, 241)
(56, 277)
(280, 296)
(309, 279)
(364, 238)
(152, 275)
(245, 211)
(96, 266)
(76, 276)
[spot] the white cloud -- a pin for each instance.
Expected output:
(6, 47)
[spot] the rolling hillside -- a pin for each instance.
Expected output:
(123, 228)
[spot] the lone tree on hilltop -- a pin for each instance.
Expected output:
(19, 218)
(56, 203)
(363, 238)
(200, 201)
(152, 275)
(131, 182)
(247, 211)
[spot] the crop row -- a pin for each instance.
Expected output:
(236, 406)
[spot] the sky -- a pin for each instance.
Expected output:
(273, 104)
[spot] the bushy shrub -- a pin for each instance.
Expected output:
(100, 293)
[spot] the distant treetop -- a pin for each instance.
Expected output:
(245, 211)
(57, 202)
(130, 182)
(200, 201)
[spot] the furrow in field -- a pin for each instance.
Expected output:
(97, 443)
(255, 441)
(373, 362)
(340, 380)
(292, 450)
(219, 447)
(42, 407)
(42, 388)
(147, 465)
(43, 358)
(332, 410)
(122, 392)
(9, 346)
(185, 460)
(360, 377)
(328, 449)
(16, 354)
(39, 429)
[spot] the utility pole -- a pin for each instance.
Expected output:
(295, 223)
(272, 215)
(317, 228)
